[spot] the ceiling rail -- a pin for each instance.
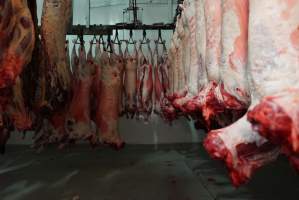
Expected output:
(108, 29)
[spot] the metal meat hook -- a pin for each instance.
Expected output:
(109, 47)
(131, 41)
(102, 42)
(94, 40)
(116, 39)
(144, 39)
(160, 40)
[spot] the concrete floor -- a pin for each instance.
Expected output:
(166, 172)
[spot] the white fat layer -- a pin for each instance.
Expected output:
(213, 12)
(232, 78)
(273, 60)
(201, 44)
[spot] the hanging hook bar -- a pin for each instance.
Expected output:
(125, 41)
(107, 29)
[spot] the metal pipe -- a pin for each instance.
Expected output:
(88, 15)
(89, 5)
(135, 11)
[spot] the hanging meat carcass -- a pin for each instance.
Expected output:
(30, 73)
(55, 20)
(274, 29)
(165, 65)
(168, 110)
(51, 126)
(74, 59)
(16, 45)
(54, 84)
(96, 83)
(187, 33)
(165, 77)
(158, 82)
(232, 92)
(68, 58)
(108, 107)
(16, 39)
(179, 71)
(130, 82)
(78, 122)
(213, 19)
(191, 99)
(213, 100)
(145, 86)
(121, 105)
(239, 145)
(161, 78)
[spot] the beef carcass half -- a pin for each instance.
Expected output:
(165, 66)
(17, 37)
(30, 73)
(78, 122)
(96, 84)
(130, 82)
(176, 56)
(182, 65)
(161, 78)
(190, 101)
(190, 56)
(275, 30)
(108, 107)
(145, 86)
(239, 145)
(121, 105)
(158, 82)
(204, 73)
(234, 87)
(55, 20)
(169, 112)
(180, 43)
(74, 59)
(17, 40)
(226, 96)
(213, 22)
(51, 126)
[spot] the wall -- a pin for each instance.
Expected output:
(111, 12)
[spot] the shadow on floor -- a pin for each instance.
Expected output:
(171, 172)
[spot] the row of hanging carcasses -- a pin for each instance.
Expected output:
(108, 82)
(234, 66)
